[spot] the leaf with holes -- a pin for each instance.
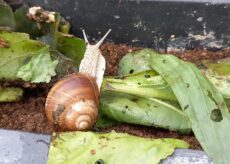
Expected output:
(222, 83)
(146, 84)
(135, 62)
(144, 111)
(90, 147)
(218, 73)
(203, 103)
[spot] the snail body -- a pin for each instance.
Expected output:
(72, 103)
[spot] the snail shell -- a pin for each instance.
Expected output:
(72, 103)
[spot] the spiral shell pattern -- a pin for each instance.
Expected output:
(72, 103)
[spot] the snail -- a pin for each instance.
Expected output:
(72, 103)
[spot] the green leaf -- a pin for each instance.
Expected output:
(38, 25)
(10, 94)
(71, 47)
(104, 121)
(154, 85)
(145, 84)
(26, 25)
(221, 82)
(21, 51)
(65, 65)
(6, 15)
(51, 33)
(39, 69)
(144, 111)
(112, 148)
(203, 103)
(135, 62)
(218, 73)
(220, 67)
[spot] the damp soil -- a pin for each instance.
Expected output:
(28, 114)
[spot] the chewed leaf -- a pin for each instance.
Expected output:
(218, 73)
(144, 111)
(145, 84)
(115, 148)
(39, 69)
(205, 106)
(135, 62)
(221, 82)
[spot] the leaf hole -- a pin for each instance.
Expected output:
(147, 76)
(186, 107)
(119, 77)
(123, 111)
(26, 60)
(134, 99)
(216, 115)
(131, 71)
(187, 85)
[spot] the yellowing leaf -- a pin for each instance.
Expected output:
(10, 94)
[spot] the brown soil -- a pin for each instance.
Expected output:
(28, 114)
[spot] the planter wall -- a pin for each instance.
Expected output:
(159, 24)
(23, 148)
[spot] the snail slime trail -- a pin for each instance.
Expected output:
(72, 103)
